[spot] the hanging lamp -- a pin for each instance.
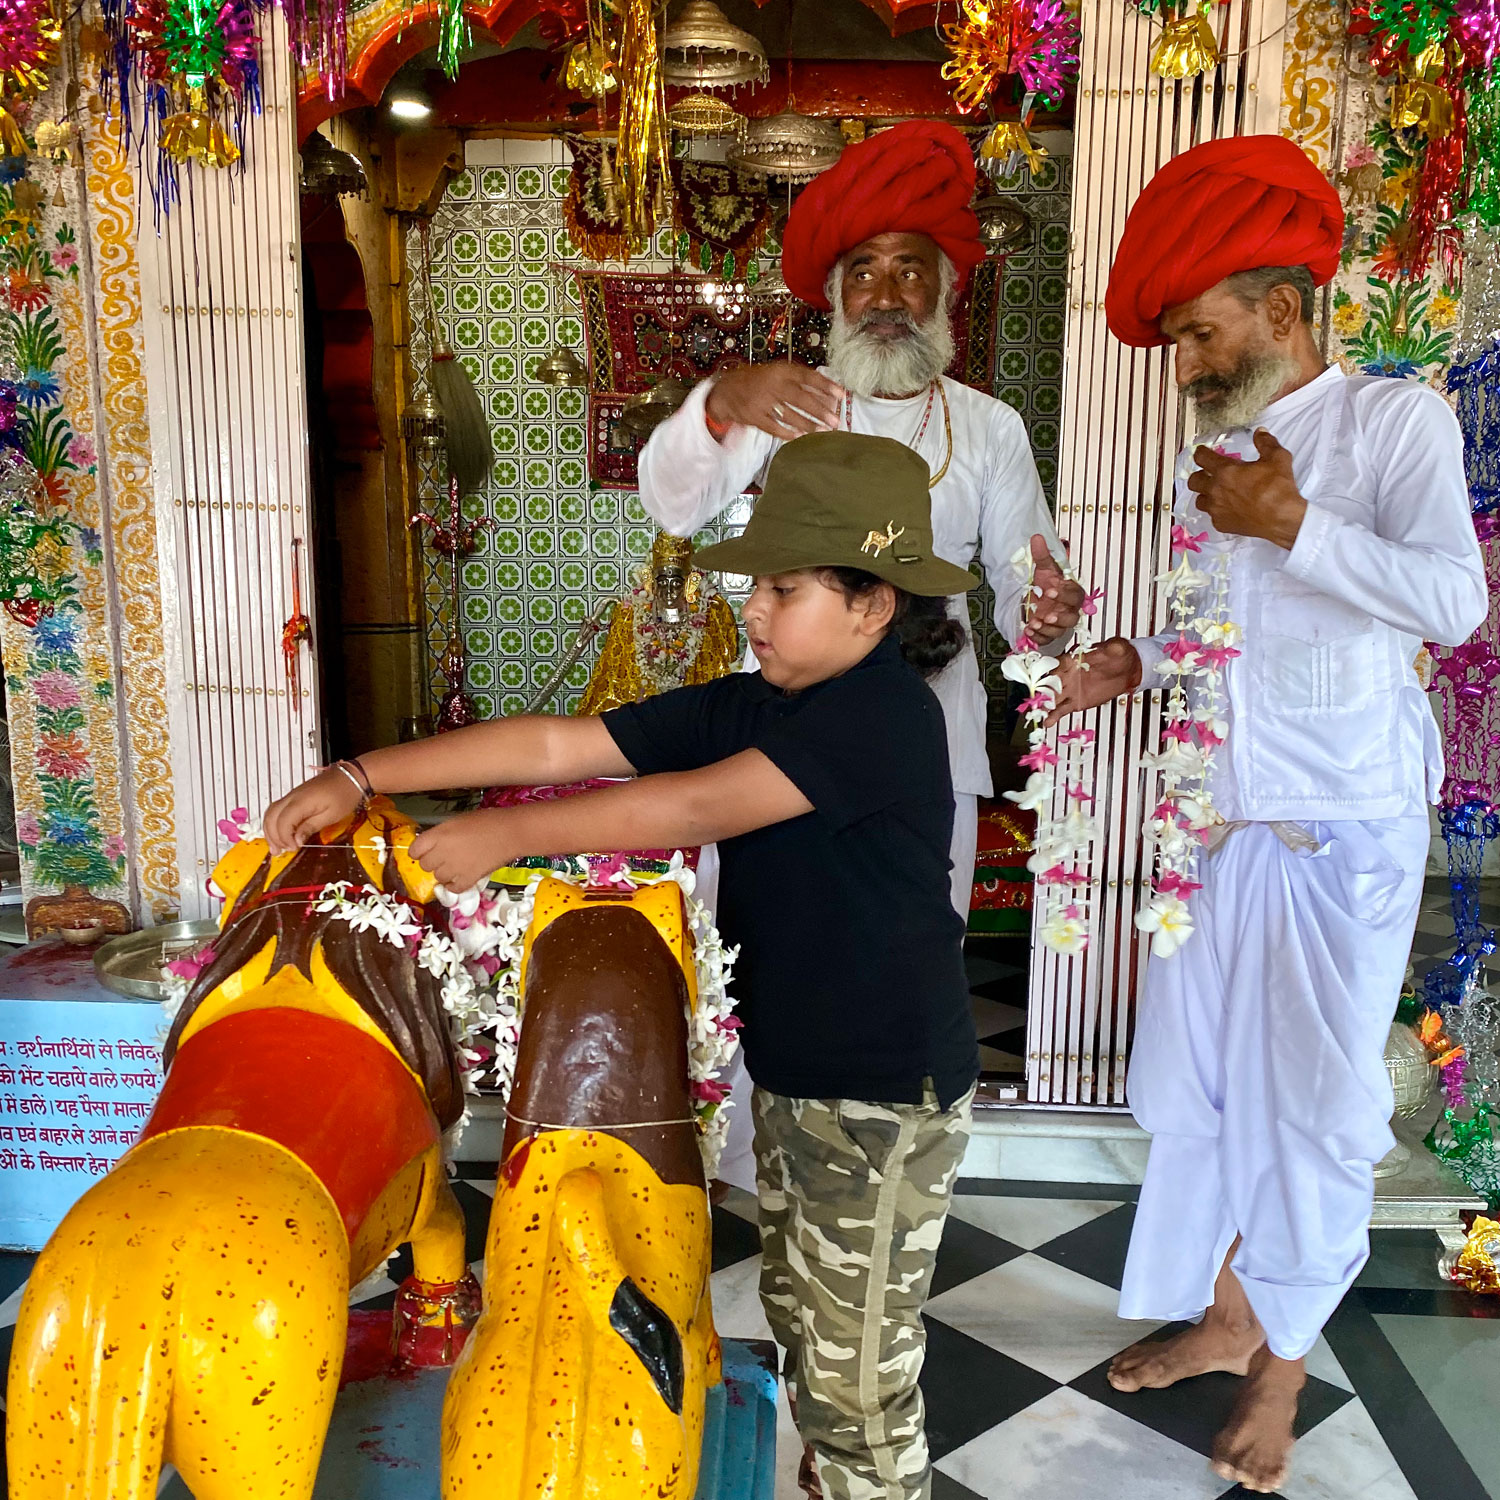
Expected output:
(790, 146)
(701, 50)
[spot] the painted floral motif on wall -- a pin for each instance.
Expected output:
(49, 557)
(1387, 323)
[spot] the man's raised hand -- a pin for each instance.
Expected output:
(784, 399)
(1054, 610)
(1113, 667)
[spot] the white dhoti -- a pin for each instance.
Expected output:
(737, 1164)
(1258, 1067)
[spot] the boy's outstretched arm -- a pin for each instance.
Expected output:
(676, 810)
(504, 752)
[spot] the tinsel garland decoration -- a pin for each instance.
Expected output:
(1465, 679)
(319, 31)
(1035, 41)
(30, 34)
(641, 162)
(1481, 189)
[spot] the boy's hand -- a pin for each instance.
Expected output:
(463, 850)
(1114, 667)
(328, 798)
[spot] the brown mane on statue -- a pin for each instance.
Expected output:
(401, 997)
(601, 982)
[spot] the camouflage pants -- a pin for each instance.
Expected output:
(853, 1198)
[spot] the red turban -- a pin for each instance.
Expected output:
(915, 178)
(1225, 206)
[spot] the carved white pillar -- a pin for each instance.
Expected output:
(221, 307)
(1121, 429)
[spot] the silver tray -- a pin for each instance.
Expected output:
(131, 965)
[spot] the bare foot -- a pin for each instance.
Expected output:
(1255, 1446)
(1209, 1345)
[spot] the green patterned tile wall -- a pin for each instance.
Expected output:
(558, 547)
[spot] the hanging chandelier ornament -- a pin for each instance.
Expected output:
(562, 368)
(701, 50)
(702, 114)
(789, 146)
(30, 34)
(1004, 226)
(329, 171)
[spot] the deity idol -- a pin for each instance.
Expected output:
(675, 629)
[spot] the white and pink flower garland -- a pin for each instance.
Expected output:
(490, 925)
(1184, 818)
(1059, 857)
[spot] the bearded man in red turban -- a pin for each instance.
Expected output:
(884, 240)
(1331, 513)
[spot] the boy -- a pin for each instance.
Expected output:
(824, 779)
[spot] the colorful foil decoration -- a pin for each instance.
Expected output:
(641, 161)
(1187, 45)
(1477, 1265)
(1035, 41)
(1464, 678)
(198, 61)
(30, 33)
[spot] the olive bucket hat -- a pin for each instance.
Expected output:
(843, 500)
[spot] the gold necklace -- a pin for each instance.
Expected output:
(937, 385)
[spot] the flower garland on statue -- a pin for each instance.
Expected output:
(1195, 730)
(489, 925)
(1059, 853)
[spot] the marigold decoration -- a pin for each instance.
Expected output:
(1059, 857)
(30, 33)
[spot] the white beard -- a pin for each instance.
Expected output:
(1249, 396)
(868, 365)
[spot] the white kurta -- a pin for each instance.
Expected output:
(1258, 1063)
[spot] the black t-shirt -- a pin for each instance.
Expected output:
(850, 979)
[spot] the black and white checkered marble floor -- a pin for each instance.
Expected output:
(1022, 1326)
(1402, 1405)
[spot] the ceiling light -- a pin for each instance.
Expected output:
(408, 107)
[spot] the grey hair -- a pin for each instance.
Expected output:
(947, 281)
(1252, 287)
